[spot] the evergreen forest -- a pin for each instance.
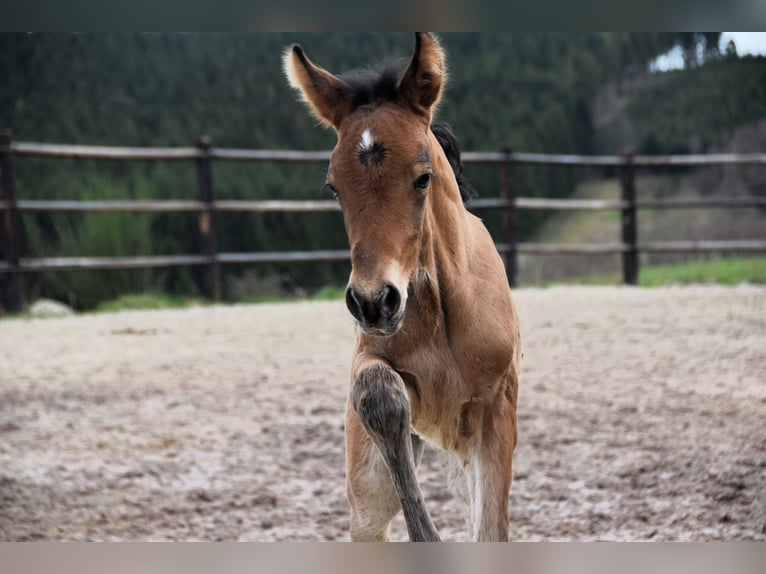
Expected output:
(533, 92)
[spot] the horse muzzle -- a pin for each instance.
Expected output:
(379, 312)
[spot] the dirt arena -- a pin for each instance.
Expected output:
(642, 416)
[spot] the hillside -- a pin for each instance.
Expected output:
(657, 225)
(683, 111)
(531, 91)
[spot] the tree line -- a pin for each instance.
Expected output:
(533, 92)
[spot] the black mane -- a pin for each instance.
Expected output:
(449, 144)
(370, 88)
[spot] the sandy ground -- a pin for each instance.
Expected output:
(642, 416)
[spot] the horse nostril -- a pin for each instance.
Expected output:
(390, 301)
(377, 310)
(353, 304)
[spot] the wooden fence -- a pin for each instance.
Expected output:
(206, 206)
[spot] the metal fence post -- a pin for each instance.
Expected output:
(10, 227)
(508, 192)
(211, 273)
(630, 264)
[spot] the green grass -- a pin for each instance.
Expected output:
(153, 300)
(329, 294)
(720, 271)
(156, 300)
(260, 299)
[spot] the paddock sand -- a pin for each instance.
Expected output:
(642, 416)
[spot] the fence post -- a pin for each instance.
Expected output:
(508, 192)
(10, 224)
(211, 274)
(630, 264)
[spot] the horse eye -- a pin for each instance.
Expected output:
(422, 181)
(331, 188)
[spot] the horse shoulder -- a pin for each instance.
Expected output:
(487, 321)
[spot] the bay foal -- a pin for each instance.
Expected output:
(438, 345)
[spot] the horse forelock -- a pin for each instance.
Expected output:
(371, 88)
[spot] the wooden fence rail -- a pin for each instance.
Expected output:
(206, 207)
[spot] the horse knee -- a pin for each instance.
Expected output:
(380, 400)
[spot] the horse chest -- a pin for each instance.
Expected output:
(441, 381)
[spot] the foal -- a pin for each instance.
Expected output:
(438, 345)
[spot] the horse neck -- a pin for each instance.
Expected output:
(443, 250)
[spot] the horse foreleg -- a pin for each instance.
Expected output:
(380, 402)
(369, 487)
(488, 470)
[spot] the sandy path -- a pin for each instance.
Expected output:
(642, 416)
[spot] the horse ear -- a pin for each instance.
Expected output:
(422, 81)
(324, 93)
